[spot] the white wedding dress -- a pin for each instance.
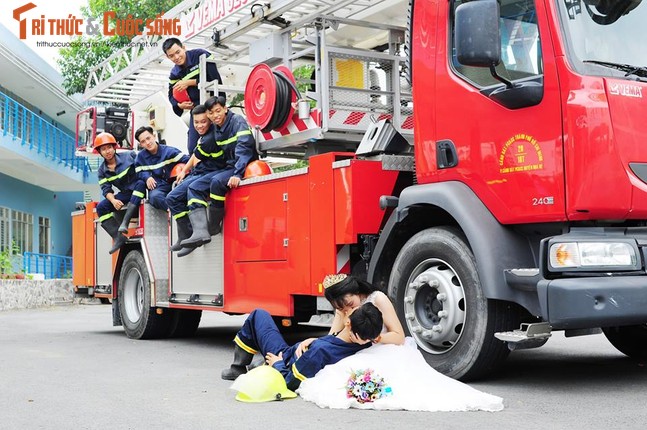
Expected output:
(415, 385)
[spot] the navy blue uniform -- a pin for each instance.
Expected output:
(159, 166)
(193, 191)
(124, 177)
(236, 141)
(191, 70)
(260, 334)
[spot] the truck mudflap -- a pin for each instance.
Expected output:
(583, 302)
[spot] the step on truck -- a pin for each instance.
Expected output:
(480, 161)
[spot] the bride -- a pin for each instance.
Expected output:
(407, 380)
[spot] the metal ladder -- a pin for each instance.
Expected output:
(135, 72)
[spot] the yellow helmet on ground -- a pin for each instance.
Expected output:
(261, 384)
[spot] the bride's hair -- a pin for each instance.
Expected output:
(350, 285)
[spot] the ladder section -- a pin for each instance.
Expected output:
(135, 72)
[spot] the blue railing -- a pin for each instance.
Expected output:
(39, 135)
(51, 265)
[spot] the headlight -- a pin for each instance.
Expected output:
(593, 255)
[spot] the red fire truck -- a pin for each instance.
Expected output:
(518, 209)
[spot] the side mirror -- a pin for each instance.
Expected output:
(476, 32)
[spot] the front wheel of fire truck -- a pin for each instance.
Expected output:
(630, 340)
(440, 303)
(139, 320)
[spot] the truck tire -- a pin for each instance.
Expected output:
(630, 340)
(440, 303)
(139, 319)
(184, 322)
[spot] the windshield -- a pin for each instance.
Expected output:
(606, 37)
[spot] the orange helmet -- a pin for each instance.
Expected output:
(175, 170)
(257, 168)
(103, 139)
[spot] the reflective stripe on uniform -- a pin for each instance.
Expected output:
(219, 198)
(234, 138)
(180, 215)
(191, 74)
(296, 372)
(175, 159)
(240, 343)
(198, 201)
(209, 154)
(138, 194)
(106, 216)
(114, 178)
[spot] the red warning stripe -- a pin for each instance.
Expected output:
(354, 118)
(408, 123)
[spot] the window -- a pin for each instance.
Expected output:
(43, 235)
(22, 230)
(520, 46)
(5, 238)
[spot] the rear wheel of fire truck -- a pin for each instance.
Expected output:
(630, 340)
(184, 322)
(440, 303)
(139, 320)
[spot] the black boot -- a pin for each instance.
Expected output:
(183, 232)
(216, 215)
(112, 228)
(200, 234)
(185, 251)
(130, 211)
(242, 359)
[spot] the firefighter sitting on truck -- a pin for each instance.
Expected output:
(234, 137)
(189, 199)
(183, 90)
(154, 165)
(117, 170)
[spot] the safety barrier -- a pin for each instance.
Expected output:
(50, 265)
(39, 135)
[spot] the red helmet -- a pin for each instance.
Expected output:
(175, 170)
(257, 168)
(181, 96)
(103, 139)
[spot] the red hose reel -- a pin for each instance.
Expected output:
(269, 97)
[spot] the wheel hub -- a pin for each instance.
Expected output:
(133, 295)
(434, 306)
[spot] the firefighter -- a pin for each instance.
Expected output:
(154, 165)
(260, 334)
(184, 79)
(189, 199)
(234, 137)
(117, 170)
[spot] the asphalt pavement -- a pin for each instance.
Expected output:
(66, 367)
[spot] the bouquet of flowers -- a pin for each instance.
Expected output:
(366, 386)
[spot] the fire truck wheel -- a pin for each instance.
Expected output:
(440, 303)
(630, 340)
(139, 320)
(184, 322)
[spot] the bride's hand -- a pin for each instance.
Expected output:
(303, 346)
